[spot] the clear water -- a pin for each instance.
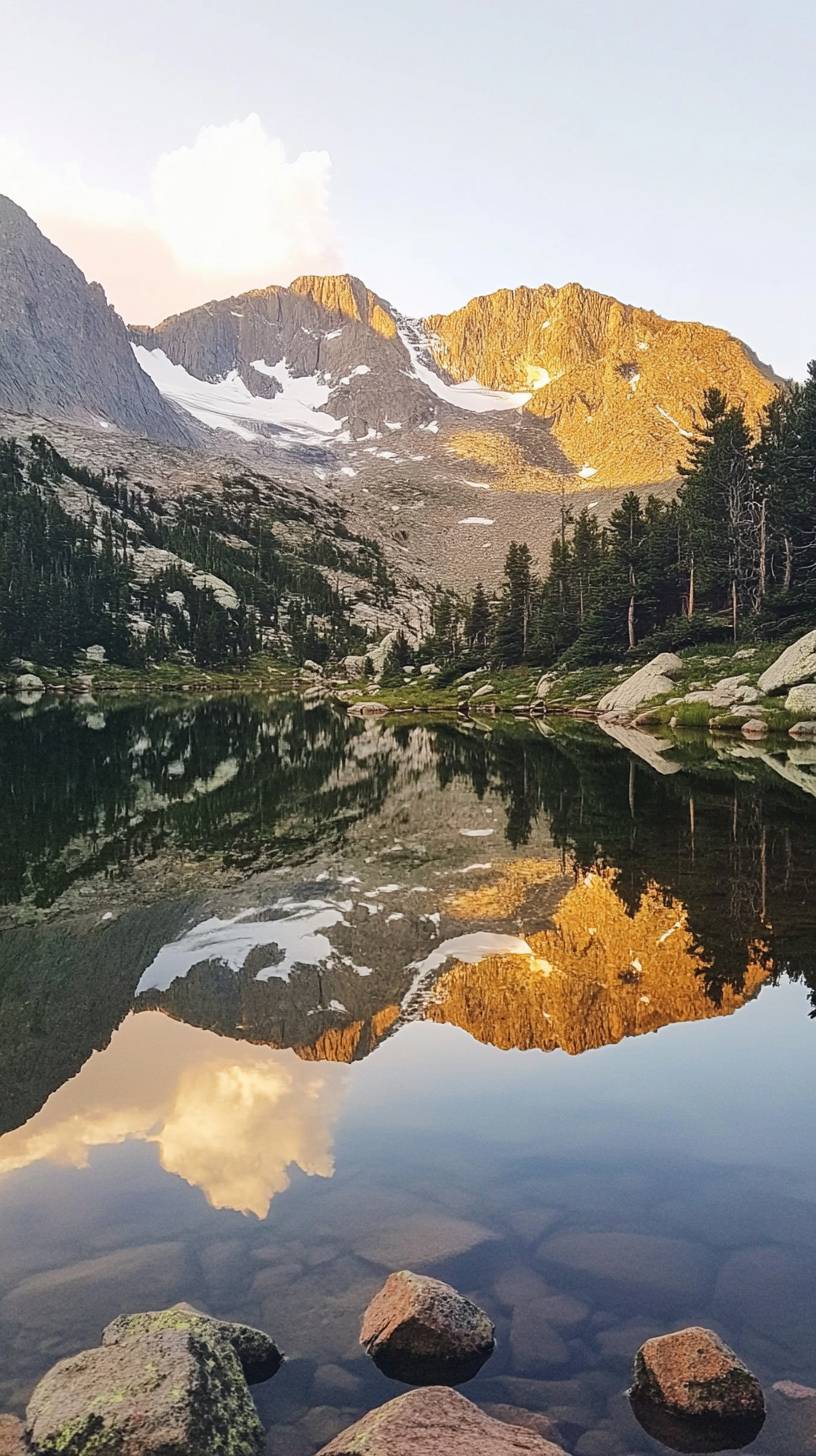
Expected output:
(287, 1002)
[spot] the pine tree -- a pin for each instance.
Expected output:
(515, 607)
(479, 621)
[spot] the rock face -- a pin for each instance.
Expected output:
(694, 1373)
(649, 682)
(170, 1383)
(418, 1329)
(64, 351)
(433, 1420)
(797, 664)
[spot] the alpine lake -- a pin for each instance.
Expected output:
(289, 1000)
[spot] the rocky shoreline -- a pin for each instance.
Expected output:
(176, 1382)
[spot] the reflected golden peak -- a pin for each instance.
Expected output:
(599, 974)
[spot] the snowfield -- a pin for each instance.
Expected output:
(222, 404)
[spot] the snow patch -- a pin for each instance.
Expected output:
(476, 521)
(664, 414)
(587, 471)
(537, 376)
(221, 404)
(297, 933)
(469, 395)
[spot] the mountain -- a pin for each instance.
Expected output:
(532, 387)
(63, 350)
(444, 438)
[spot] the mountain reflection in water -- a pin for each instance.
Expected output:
(259, 959)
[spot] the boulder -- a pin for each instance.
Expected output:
(28, 682)
(429, 669)
(693, 1393)
(483, 690)
(367, 710)
(797, 664)
(169, 1383)
(802, 699)
(257, 1352)
(12, 1436)
(694, 1373)
(544, 686)
(310, 666)
(435, 1419)
(803, 730)
(754, 728)
(725, 693)
(81, 682)
(650, 681)
(97, 653)
(420, 1330)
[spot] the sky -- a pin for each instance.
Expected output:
(659, 151)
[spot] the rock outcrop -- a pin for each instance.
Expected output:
(421, 1330)
(64, 351)
(797, 664)
(172, 1382)
(433, 1420)
(650, 681)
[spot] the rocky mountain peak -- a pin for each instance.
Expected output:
(63, 349)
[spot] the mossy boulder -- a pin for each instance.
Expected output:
(257, 1352)
(171, 1383)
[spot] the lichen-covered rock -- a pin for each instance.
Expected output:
(419, 1329)
(802, 699)
(436, 1420)
(694, 1373)
(167, 1383)
(650, 681)
(257, 1352)
(168, 1393)
(797, 664)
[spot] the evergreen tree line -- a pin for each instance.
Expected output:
(732, 555)
(67, 581)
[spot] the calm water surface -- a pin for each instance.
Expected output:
(287, 1002)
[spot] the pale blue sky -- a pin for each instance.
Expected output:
(662, 152)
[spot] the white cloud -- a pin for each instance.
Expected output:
(227, 213)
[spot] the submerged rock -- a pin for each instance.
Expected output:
(419, 1329)
(692, 1391)
(433, 1420)
(171, 1382)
